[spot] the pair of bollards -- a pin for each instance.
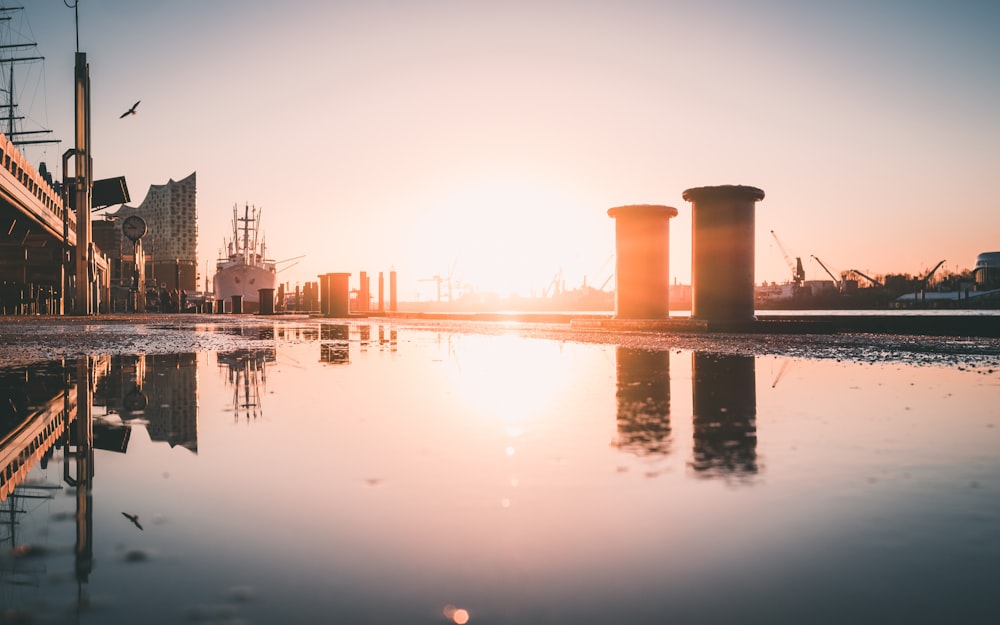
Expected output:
(722, 255)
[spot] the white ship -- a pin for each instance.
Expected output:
(245, 268)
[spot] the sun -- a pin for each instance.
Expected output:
(512, 235)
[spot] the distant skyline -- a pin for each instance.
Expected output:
(489, 139)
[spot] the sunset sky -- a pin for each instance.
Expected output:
(489, 138)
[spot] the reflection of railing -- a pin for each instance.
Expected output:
(24, 446)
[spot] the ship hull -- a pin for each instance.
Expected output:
(243, 280)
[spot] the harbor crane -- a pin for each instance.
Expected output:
(556, 286)
(868, 278)
(798, 273)
(920, 284)
(836, 281)
(438, 279)
(923, 281)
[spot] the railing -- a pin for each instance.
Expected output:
(17, 166)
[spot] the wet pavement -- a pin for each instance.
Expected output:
(28, 339)
(252, 469)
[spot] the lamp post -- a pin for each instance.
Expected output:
(81, 188)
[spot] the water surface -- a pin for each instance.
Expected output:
(369, 473)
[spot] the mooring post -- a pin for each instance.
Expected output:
(722, 252)
(642, 260)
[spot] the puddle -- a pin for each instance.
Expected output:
(384, 473)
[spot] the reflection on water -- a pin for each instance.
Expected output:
(643, 400)
(724, 392)
(246, 374)
(160, 391)
(334, 347)
(449, 476)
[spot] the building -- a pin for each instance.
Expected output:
(170, 244)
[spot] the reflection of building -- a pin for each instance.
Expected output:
(724, 399)
(161, 389)
(246, 371)
(119, 390)
(171, 385)
(643, 395)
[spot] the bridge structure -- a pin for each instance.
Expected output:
(37, 238)
(48, 262)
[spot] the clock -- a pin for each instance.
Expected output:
(134, 227)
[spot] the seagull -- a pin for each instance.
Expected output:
(131, 111)
(132, 517)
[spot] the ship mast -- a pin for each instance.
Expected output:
(246, 233)
(12, 132)
(256, 227)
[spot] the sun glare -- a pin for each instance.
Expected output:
(511, 236)
(513, 384)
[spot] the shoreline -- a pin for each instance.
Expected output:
(27, 340)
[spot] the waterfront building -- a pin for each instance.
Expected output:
(170, 245)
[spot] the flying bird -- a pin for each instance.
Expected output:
(132, 517)
(131, 111)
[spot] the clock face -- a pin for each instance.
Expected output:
(134, 227)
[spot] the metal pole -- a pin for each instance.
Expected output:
(82, 179)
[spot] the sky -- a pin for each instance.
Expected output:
(486, 140)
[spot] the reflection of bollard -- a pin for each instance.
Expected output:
(237, 304)
(335, 345)
(724, 402)
(722, 252)
(340, 295)
(266, 301)
(642, 265)
(643, 380)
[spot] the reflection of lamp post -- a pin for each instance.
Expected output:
(83, 455)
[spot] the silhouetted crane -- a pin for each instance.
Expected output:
(555, 286)
(798, 273)
(868, 278)
(836, 281)
(925, 279)
(437, 278)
